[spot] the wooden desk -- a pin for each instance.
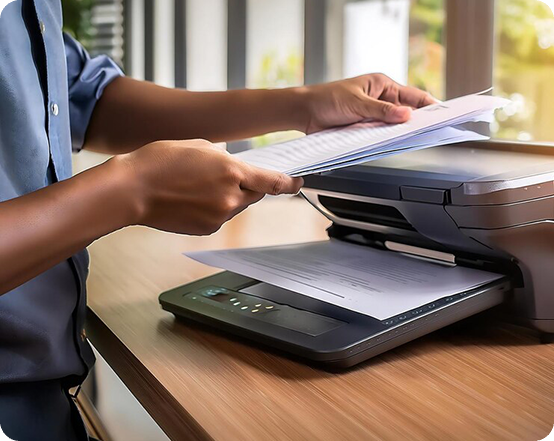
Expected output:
(481, 380)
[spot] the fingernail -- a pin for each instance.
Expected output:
(402, 112)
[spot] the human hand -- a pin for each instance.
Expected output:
(373, 96)
(194, 187)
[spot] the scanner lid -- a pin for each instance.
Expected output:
(477, 173)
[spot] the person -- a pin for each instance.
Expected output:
(165, 174)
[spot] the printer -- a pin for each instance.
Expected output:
(485, 205)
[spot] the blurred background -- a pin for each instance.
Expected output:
(448, 47)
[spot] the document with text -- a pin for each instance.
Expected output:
(377, 283)
(430, 126)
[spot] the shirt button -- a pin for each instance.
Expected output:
(83, 335)
(42, 27)
(55, 109)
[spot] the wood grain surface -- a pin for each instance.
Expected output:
(482, 379)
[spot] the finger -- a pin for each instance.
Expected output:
(416, 98)
(384, 111)
(391, 94)
(268, 182)
(248, 198)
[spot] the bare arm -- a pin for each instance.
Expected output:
(45, 227)
(184, 187)
(179, 186)
(133, 113)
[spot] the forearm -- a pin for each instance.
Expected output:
(133, 113)
(45, 227)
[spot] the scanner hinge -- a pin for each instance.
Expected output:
(380, 242)
(422, 253)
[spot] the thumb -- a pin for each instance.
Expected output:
(268, 181)
(384, 111)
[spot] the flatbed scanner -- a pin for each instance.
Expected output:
(485, 205)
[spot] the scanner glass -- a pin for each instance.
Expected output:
(466, 163)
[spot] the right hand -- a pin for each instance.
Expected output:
(193, 187)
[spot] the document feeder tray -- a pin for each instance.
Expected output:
(484, 205)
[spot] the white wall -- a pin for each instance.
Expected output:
(376, 38)
(273, 26)
(207, 44)
(164, 42)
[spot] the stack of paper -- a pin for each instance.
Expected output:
(377, 283)
(345, 146)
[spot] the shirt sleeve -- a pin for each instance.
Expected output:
(87, 78)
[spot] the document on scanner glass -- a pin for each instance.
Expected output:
(377, 283)
(345, 146)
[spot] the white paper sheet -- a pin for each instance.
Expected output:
(449, 135)
(377, 283)
(371, 139)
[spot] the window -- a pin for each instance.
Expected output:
(426, 47)
(274, 51)
(447, 47)
(524, 70)
(98, 25)
(400, 38)
(275, 43)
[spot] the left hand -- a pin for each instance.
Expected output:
(373, 96)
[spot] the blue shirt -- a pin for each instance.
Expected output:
(48, 89)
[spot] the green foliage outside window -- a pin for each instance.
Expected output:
(523, 65)
(426, 51)
(524, 68)
(525, 30)
(274, 72)
(524, 60)
(77, 19)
